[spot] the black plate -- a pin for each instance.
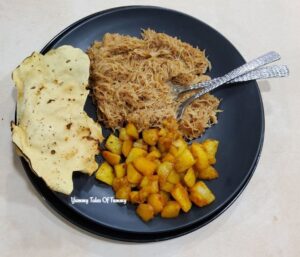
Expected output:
(240, 128)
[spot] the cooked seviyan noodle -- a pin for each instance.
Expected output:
(130, 81)
(52, 131)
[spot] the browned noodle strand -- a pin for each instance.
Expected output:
(130, 81)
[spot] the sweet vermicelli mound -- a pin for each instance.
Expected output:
(130, 81)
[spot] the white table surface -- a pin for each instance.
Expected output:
(264, 221)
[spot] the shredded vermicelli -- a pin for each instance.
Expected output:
(130, 81)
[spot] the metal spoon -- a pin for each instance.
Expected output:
(240, 71)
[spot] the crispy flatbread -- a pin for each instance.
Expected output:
(52, 131)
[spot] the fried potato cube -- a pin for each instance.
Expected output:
(166, 186)
(173, 177)
(157, 161)
(150, 136)
(143, 195)
(144, 182)
(209, 173)
(200, 155)
(181, 195)
(178, 146)
(133, 185)
(123, 134)
(152, 187)
(173, 150)
(114, 144)
(190, 177)
(162, 132)
(170, 124)
(168, 158)
(140, 144)
(201, 195)
(119, 182)
(153, 155)
(165, 196)
(157, 202)
(133, 175)
(144, 166)
(105, 173)
(132, 131)
(135, 153)
(171, 210)
(153, 148)
(184, 161)
(164, 144)
(150, 184)
(120, 170)
(134, 197)
(123, 192)
(211, 148)
(126, 147)
(145, 211)
(111, 158)
(163, 170)
(181, 175)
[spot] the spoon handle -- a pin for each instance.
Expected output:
(214, 83)
(274, 71)
(247, 67)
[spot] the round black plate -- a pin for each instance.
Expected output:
(240, 129)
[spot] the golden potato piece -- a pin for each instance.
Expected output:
(111, 158)
(166, 186)
(143, 195)
(150, 136)
(157, 161)
(209, 173)
(201, 195)
(150, 184)
(133, 175)
(134, 154)
(173, 177)
(126, 147)
(123, 134)
(120, 170)
(157, 202)
(184, 161)
(164, 144)
(165, 196)
(144, 166)
(169, 158)
(180, 194)
(163, 170)
(123, 192)
(134, 197)
(178, 147)
(140, 144)
(211, 148)
(119, 182)
(171, 210)
(162, 132)
(173, 150)
(145, 211)
(153, 187)
(153, 155)
(132, 131)
(145, 181)
(105, 173)
(200, 155)
(114, 144)
(190, 177)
